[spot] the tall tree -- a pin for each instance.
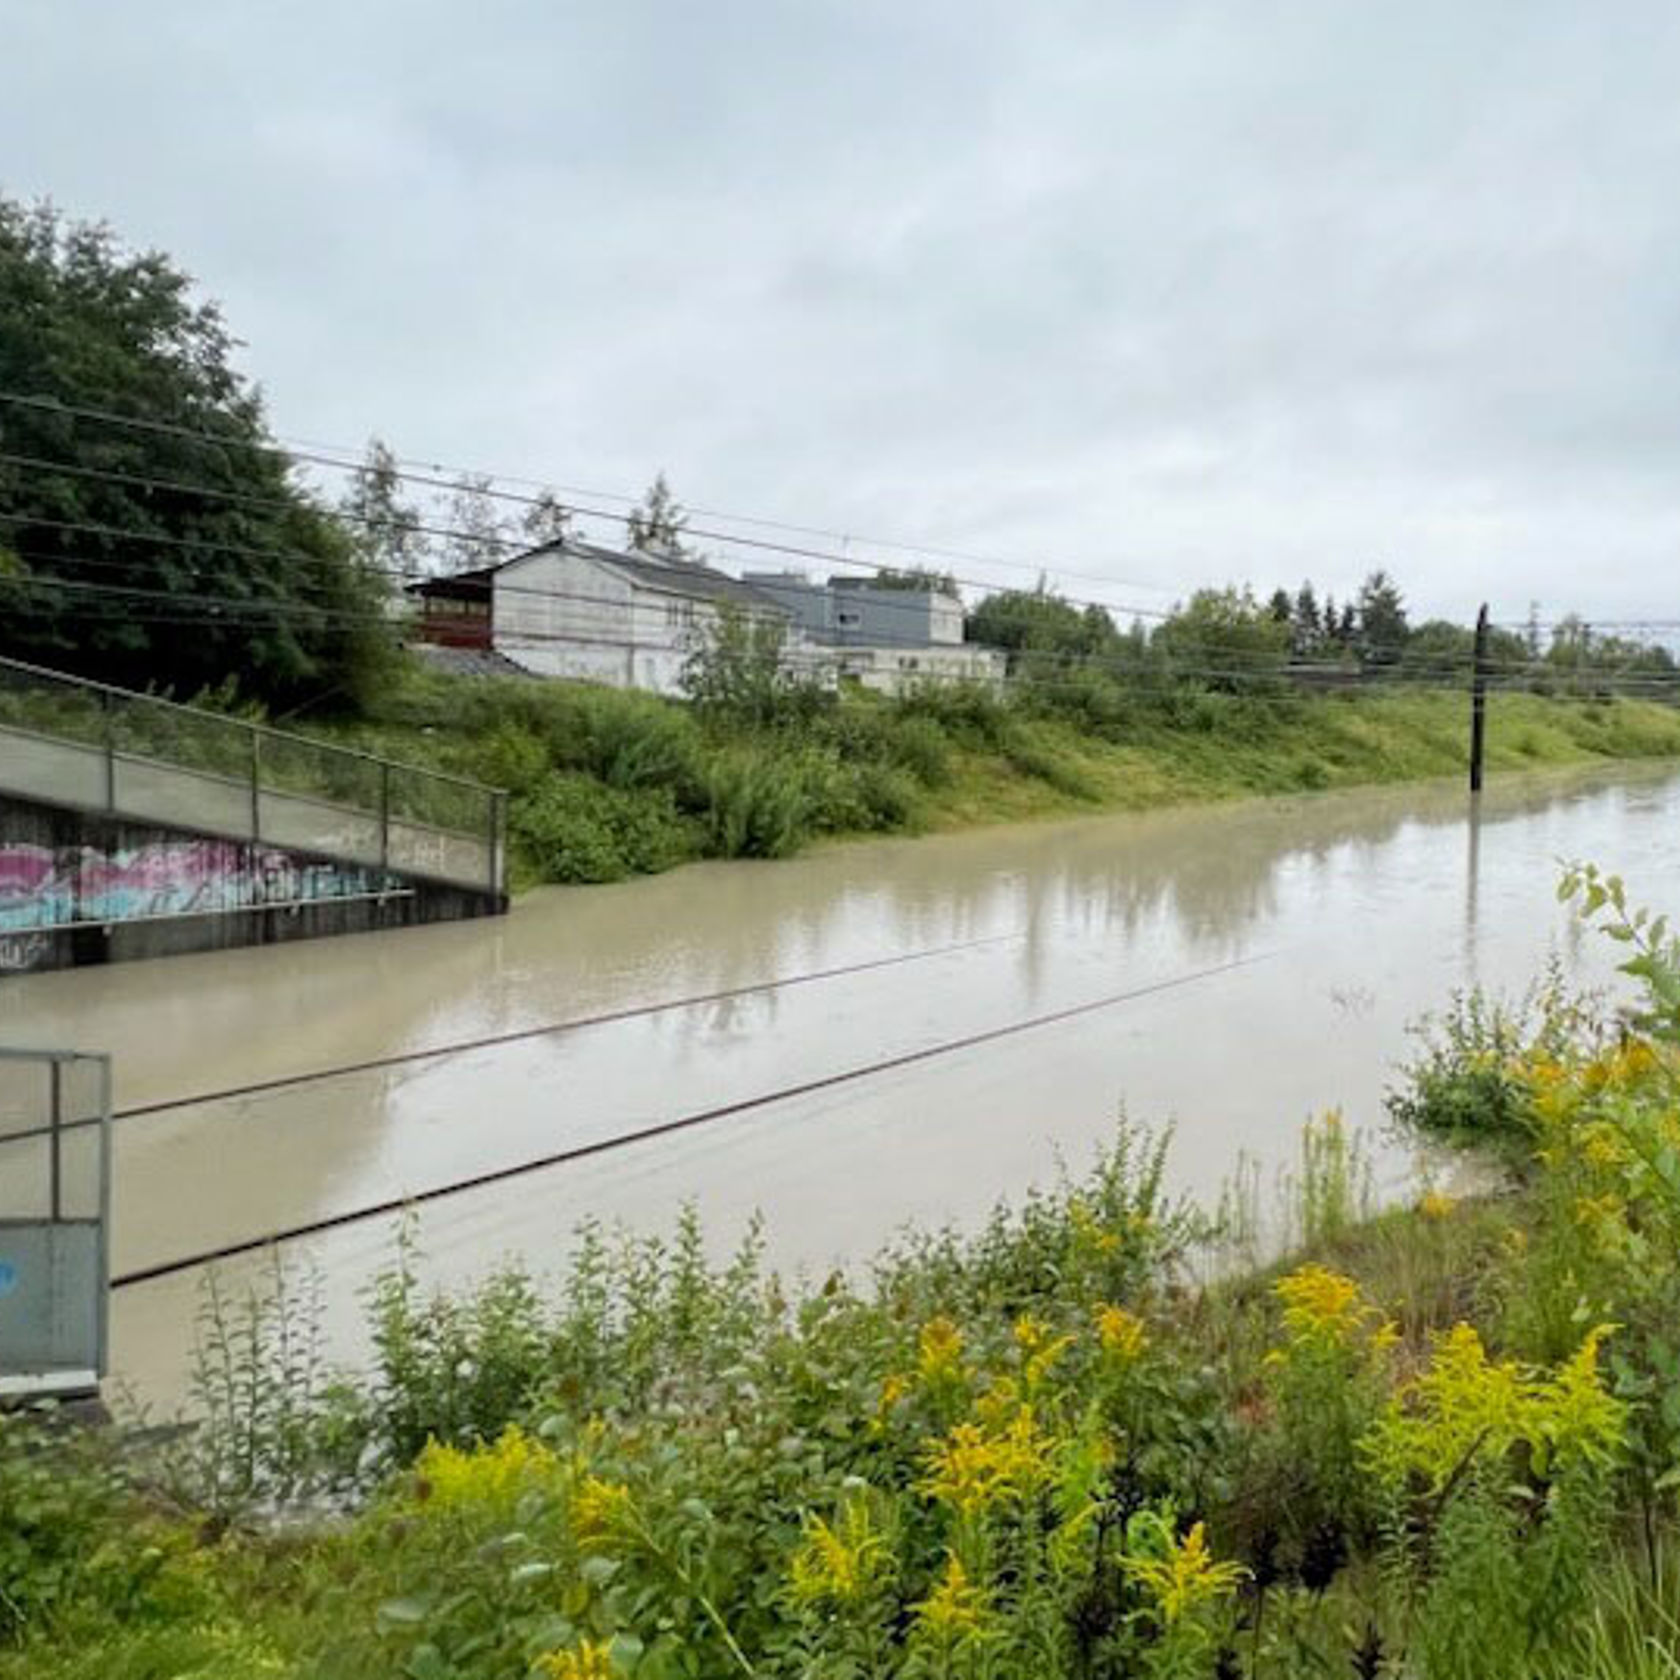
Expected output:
(1381, 633)
(1040, 630)
(546, 520)
(1224, 639)
(478, 532)
(383, 528)
(178, 550)
(1305, 626)
(656, 526)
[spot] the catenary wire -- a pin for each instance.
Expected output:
(663, 1128)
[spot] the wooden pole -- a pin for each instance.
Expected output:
(1478, 702)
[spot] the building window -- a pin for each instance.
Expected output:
(848, 618)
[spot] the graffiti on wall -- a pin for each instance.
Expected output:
(55, 886)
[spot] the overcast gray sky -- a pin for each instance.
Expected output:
(1168, 293)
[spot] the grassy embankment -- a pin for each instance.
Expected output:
(608, 784)
(1441, 1442)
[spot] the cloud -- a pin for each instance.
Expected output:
(1163, 293)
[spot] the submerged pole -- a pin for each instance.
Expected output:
(1478, 702)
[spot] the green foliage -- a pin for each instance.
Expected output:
(1439, 1443)
(571, 828)
(205, 561)
(1467, 1085)
(1226, 641)
(1040, 630)
(57, 1500)
(741, 674)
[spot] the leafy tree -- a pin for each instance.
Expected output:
(656, 526)
(478, 534)
(740, 670)
(546, 520)
(915, 578)
(384, 529)
(1381, 633)
(1036, 622)
(178, 552)
(1306, 628)
(1280, 606)
(1224, 639)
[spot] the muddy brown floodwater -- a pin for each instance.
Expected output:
(1266, 958)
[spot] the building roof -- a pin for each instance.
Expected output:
(467, 662)
(692, 579)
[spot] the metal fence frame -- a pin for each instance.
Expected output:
(54, 1132)
(247, 741)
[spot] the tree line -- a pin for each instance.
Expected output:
(186, 550)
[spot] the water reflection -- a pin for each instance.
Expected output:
(1367, 910)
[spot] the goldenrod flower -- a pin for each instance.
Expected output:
(1121, 1334)
(1041, 1349)
(956, 1609)
(941, 1346)
(974, 1468)
(1088, 1229)
(839, 1564)
(1180, 1576)
(599, 1508)
(491, 1474)
(1321, 1306)
(1583, 1417)
(588, 1661)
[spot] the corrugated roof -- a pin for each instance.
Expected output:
(689, 578)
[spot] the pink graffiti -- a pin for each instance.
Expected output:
(42, 888)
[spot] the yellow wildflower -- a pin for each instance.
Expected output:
(956, 1609)
(893, 1389)
(1040, 1348)
(599, 1508)
(975, 1467)
(1088, 1229)
(1178, 1575)
(1321, 1306)
(486, 1475)
(588, 1661)
(1583, 1418)
(941, 1349)
(1121, 1334)
(1601, 1147)
(839, 1564)
(1434, 1205)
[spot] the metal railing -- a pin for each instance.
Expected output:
(55, 1217)
(83, 743)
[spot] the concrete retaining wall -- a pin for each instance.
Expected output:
(82, 888)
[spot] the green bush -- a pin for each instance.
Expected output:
(58, 1501)
(575, 829)
(759, 803)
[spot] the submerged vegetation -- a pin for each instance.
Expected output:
(608, 783)
(1437, 1441)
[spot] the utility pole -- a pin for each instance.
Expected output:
(1478, 702)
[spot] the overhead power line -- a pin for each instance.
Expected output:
(343, 458)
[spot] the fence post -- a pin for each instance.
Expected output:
(109, 721)
(256, 783)
(384, 813)
(55, 1139)
(1478, 702)
(495, 847)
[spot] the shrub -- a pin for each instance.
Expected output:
(572, 828)
(58, 1501)
(759, 803)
